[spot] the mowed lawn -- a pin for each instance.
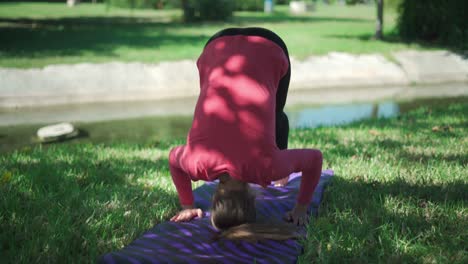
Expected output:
(40, 34)
(399, 195)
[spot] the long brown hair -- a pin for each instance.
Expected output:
(233, 214)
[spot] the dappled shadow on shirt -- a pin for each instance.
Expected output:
(235, 113)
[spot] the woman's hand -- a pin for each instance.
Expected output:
(188, 213)
(298, 215)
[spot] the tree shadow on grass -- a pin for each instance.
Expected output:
(80, 204)
(394, 38)
(425, 158)
(74, 36)
(369, 220)
(36, 38)
(286, 18)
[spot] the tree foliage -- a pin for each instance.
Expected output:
(249, 5)
(207, 10)
(441, 21)
(379, 26)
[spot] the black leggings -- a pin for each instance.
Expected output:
(282, 122)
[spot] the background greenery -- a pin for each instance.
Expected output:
(251, 5)
(40, 34)
(208, 10)
(443, 21)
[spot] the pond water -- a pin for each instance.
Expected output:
(152, 123)
(328, 115)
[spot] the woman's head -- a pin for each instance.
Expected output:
(233, 213)
(233, 204)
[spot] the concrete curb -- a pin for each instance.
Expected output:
(116, 81)
(424, 67)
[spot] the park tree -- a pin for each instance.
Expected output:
(184, 4)
(379, 26)
(207, 10)
(441, 22)
(379, 20)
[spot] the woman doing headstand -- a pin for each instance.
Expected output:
(240, 132)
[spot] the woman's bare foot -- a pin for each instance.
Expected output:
(282, 182)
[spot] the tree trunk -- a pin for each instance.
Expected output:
(375, 110)
(379, 27)
(187, 10)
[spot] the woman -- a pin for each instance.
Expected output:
(239, 132)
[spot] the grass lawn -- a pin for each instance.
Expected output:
(399, 194)
(40, 34)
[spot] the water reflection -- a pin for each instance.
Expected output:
(339, 114)
(150, 124)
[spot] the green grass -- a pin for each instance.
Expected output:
(40, 34)
(399, 194)
(401, 191)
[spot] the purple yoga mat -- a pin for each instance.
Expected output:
(191, 242)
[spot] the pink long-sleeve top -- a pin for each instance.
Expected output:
(233, 129)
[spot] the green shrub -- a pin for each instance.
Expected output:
(141, 4)
(286, 2)
(354, 2)
(249, 5)
(171, 4)
(281, 2)
(208, 10)
(440, 21)
(392, 4)
(133, 3)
